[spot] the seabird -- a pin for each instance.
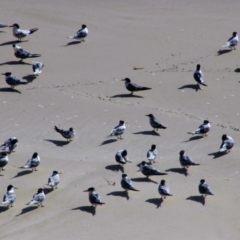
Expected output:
(121, 157)
(38, 198)
(10, 197)
(54, 180)
(156, 124)
(199, 77)
(152, 154)
(203, 129)
(12, 80)
(19, 33)
(3, 25)
(10, 144)
(148, 170)
(33, 162)
(186, 161)
(37, 68)
(3, 160)
(133, 87)
(227, 144)
(232, 42)
(23, 54)
(80, 34)
(68, 134)
(127, 184)
(118, 130)
(94, 198)
(204, 189)
(163, 189)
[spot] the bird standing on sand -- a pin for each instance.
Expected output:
(199, 77)
(3, 160)
(186, 161)
(152, 154)
(163, 189)
(12, 80)
(37, 68)
(9, 145)
(227, 144)
(94, 198)
(32, 162)
(118, 130)
(156, 124)
(68, 134)
(80, 34)
(204, 189)
(133, 87)
(121, 157)
(19, 33)
(54, 180)
(232, 42)
(38, 198)
(127, 184)
(23, 54)
(148, 170)
(203, 129)
(10, 197)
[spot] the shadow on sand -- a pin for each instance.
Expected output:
(22, 173)
(182, 171)
(152, 133)
(142, 179)
(217, 154)
(115, 168)
(9, 90)
(27, 209)
(59, 143)
(192, 86)
(199, 199)
(126, 96)
(123, 194)
(155, 201)
(88, 209)
(108, 141)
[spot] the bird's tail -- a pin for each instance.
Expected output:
(133, 189)
(33, 30)
(196, 164)
(160, 173)
(144, 88)
(23, 83)
(227, 45)
(35, 55)
(71, 37)
(204, 84)
(163, 127)
(102, 203)
(57, 129)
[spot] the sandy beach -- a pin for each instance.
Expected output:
(81, 87)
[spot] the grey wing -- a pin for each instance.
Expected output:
(23, 53)
(198, 77)
(13, 80)
(80, 34)
(164, 189)
(127, 183)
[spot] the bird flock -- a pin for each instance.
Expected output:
(121, 158)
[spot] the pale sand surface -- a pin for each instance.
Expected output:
(80, 87)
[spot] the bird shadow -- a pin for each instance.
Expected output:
(29, 78)
(126, 96)
(88, 209)
(153, 133)
(22, 173)
(119, 194)
(72, 43)
(115, 168)
(3, 209)
(9, 90)
(142, 179)
(108, 141)
(192, 86)
(199, 199)
(194, 138)
(48, 190)
(27, 209)
(14, 63)
(182, 171)
(237, 70)
(155, 201)
(217, 154)
(9, 43)
(59, 143)
(221, 52)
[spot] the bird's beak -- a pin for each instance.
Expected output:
(85, 191)
(147, 115)
(10, 26)
(15, 188)
(59, 173)
(2, 73)
(126, 122)
(122, 79)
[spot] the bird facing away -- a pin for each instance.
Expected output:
(127, 184)
(133, 87)
(121, 157)
(232, 42)
(19, 33)
(148, 170)
(68, 134)
(3, 160)
(227, 144)
(38, 198)
(152, 154)
(33, 162)
(163, 189)
(203, 129)
(186, 161)
(12, 80)
(80, 34)
(9, 145)
(155, 123)
(23, 54)
(199, 77)
(37, 68)
(94, 198)
(9, 197)
(54, 180)
(204, 189)
(118, 130)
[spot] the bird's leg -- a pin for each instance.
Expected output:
(131, 93)
(42, 205)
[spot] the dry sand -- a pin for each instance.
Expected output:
(80, 87)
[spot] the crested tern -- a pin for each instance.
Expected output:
(23, 54)
(231, 43)
(155, 123)
(37, 68)
(38, 198)
(68, 134)
(80, 34)
(227, 144)
(19, 33)
(54, 180)
(121, 157)
(203, 129)
(186, 161)
(9, 197)
(33, 162)
(118, 130)
(152, 154)
(12, 80)
(10, 144)
(199, 77)
(133, 87)
(94, 198)
(149, 170)
(127, 184)
(204, 188)
(163, 189)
